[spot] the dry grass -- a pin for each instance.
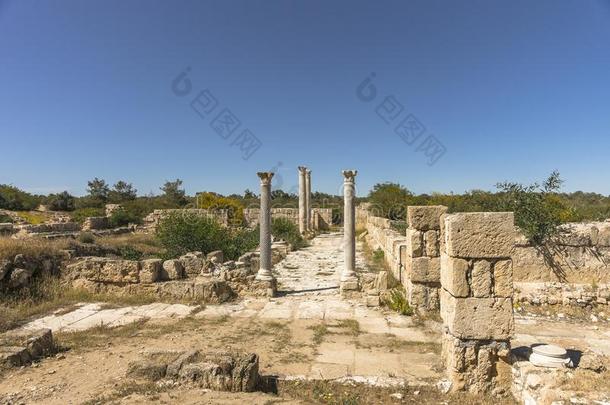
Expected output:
(142, 242)
(34, 218)
(31, 247)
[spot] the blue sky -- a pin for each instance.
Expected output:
(510, 89)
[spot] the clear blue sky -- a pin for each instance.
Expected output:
(512, 89)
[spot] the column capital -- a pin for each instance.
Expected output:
(302, 169)
(349, 175)
(265, 177)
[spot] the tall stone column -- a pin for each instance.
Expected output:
(308, 199)
(349, 280)
(264, 271)
(302, 200)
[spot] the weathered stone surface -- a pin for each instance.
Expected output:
(425, 217)
(223, 372)
(172, 270)
(174, 367)
(415, 245)
(147, 369)
(503, 278)
(14, 356)
(481, 279)
(193, 263)
(216, 257)
(20, 277)
(19, 347)
(381, 281)
(431, 242)
(425, 270)
(422, 296)
(104, 270)
(454, 276)
(213, 291)
(150, 270)
(5, 267)
(477, 318)
(480, 234)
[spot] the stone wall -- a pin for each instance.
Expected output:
(50, 228)
(321, 217)
(581, 254)
(96, 223)
(476, 298)
(423, 264)
(152, 220)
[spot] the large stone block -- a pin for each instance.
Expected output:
(104, 270)
(480, 234)
(415, 245)
(454, 275)
(193, 263)
(425, 217)
(503, 278)
(150, 270)
(477, 318)
(480, 280)
(431, 242)
(425, 270)
(172, 270)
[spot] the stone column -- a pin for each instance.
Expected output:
(349, 280)
(476, 298)
(308, 199)
(302, 200)
(264, 271)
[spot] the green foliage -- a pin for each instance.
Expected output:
(80, 214)
(63, 201)
(378, 255)
(130, 253)
(183, 232)
(86, 237)
(174, 193)
(399, 226)
(284, 229)
(397, 301)
(123, 217)
(98, 189)
(122, 191)
(538, 211)
(213, 201)
(389, 200)
(12, 198)
(34, 218)
(5, 218)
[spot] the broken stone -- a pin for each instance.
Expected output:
(172, 270)
(147, 369)
(193, 263)
(20, 277)
(150, 271)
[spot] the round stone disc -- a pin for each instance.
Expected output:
(550, 351)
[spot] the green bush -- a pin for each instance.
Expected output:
(86, 237)
(130, 253)
(284, 229)
(122, 217)
(80, 214)
(5, 218)
(61, 202)
(14, 199)
(182, 232)
(397, 301)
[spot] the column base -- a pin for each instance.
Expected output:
(349, 284)
(265, 288)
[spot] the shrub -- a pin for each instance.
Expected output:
(14, 199)
(389, 200)
(61, 202)
(397, 301)
(33, 218)
(122, 217)
(86, 237)
(130, 253)
(378, 255)
(283, 228)
(182, 232)
(5, 218)
(80, 214)
(214, 201)
(399, 226)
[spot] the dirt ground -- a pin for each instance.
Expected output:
(91, 365)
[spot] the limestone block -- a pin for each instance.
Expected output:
(415, 243)
(150, 270)
(480, 234)
(120, 271)
(477, 318)
(172, 270)
(193, 263)
(213, 291)
(431, 242)
(454, 275)
(381, 281)
(425, 270)
(480, 283)
(603, 237)
(425, 217)
(423, 296)
(503, 278)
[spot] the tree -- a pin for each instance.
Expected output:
(98, 189)
(63, 201)
(249, 194)
(123, 191)
(538, 210)
(389, 200)
(173, 192)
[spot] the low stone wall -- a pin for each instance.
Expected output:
(476, 298)
(152, 220)
(57, 227)
(321, 217)
(19, 348)
(6, 229)
(96, 223)
(555, 293)
(380, 235)
(581, 255)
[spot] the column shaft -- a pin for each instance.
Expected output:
(302, 200)
(349, 280)
(308, 200)
(265, 266)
